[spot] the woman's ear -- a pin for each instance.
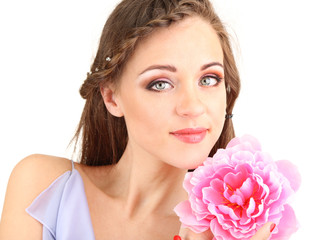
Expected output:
(110, 101)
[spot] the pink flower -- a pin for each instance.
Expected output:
(238, 191)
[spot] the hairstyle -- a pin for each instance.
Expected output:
(103, 137)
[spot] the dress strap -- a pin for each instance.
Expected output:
(61, 205)
(72, 163)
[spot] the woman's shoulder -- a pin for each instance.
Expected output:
(51, 163)
(28, 179)
(42, 163)
(39, 171)
(35, 173)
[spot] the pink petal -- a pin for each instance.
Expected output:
(211, 195)
(188, 219)
(252, 140)
(218, 231)
(237, 199)
(247, 188)
(234, 181)
(201, 173)
(241, 233)
(225, 234)
(291, 172)
(251, 207)
(243, 157)
(287, 226)
(197, 189)
(286, 192)
(275, 187)
(200, 209)
(245, 139)
(223, 171)
(229, 211)
(260, 210)
(245, 221)
(187, 184)
(217, 185)
(235, 141)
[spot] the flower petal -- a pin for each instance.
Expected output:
(287, 226)
(228, 211)
(233, 181)
(251, 207)
(218, 231)
(188, 219)
(243, 140)
(247, 188)
(290, 171)
(211, 195)
(187, 184)
(238, 199)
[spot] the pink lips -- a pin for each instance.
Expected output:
(190, 135)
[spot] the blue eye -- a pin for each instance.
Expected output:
(210, 80)
(159, 86)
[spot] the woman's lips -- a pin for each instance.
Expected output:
(190, 135)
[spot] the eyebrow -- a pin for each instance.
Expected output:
(208, 65)
(160, 67)
(173, 69)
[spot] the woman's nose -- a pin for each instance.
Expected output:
(189, 103)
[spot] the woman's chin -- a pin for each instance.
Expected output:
(189, 163)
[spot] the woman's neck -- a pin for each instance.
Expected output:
(145, 185)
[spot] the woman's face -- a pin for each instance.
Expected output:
(172, 94)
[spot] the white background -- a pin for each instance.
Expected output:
(46, 48)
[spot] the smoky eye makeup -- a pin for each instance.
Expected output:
(210, 76)
(159, 85)
(210, 80)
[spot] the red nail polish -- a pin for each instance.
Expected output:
(272, 227)
(176, 237)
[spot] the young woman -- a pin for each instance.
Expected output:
(159, 98)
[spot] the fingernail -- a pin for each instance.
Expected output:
(176, 237)
(272, 227)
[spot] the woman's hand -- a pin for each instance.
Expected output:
(264, 232)
(186, 234)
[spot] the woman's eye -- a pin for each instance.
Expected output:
(209, 80)
(159, 86)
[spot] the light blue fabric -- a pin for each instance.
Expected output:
(63, 210)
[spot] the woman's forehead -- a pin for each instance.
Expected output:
(191, 39)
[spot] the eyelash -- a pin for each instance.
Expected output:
(154, 83)
(216, 77)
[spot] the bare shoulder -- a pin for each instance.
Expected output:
(43, 166)
(35, 173)
(28, 179)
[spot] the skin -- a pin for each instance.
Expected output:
(186, 100)
(141, 191)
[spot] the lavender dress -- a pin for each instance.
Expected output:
(63, 210)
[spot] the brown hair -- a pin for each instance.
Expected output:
(103, 136)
